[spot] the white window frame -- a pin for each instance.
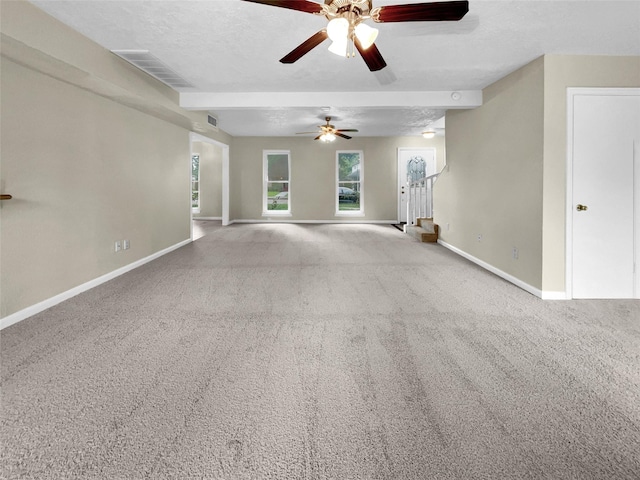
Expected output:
(349, 213)
(195, 209)
(265, 184)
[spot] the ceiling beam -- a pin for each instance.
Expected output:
(462, 99)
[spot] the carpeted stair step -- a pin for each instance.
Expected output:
(424, 231)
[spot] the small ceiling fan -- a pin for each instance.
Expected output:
(346, 25)
(328, 133)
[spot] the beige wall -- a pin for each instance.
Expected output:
(37, 30)
(84, 172)
(210, 179)
(492, 185)
(93, 151)
(562, 71)
(506, 174)
(313, 176)
(32, 38)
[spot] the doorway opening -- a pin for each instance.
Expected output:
(224, 172)
(413, 164)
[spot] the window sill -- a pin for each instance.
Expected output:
(349, 214)
(276, 214)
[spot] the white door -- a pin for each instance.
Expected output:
(415, 157)
(605, 129)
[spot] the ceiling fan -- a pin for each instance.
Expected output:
(346, 25)
(328, 133)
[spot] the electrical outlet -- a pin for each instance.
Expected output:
(479, 237)
(125, 244)
(514, 253)
(118, 246)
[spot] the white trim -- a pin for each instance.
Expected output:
(360, 182)
(195, 209)
(225, 185)
(277, 215)
(508, 277)
(207, 218)
(554, 295)
(319, 222)
(403, 182)
(568, 229)
(61, 297)
(196, 137)
(572, 92)
(265, 183)
(271, 214)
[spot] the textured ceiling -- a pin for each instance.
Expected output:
(233, 47)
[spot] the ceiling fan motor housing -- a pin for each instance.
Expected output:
(338, 7)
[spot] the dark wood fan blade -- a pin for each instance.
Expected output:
(371, 56)
(343, 136)
(300, 5)
(304, 48)
(422, 12)
(346, 130)
(318, 137)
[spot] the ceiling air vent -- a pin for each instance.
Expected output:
(213, 121)
(154, 67)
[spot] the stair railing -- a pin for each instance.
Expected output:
(420, 198)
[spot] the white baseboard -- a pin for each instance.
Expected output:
(207, 218)
(319, 222)
(509, 278)
(555, 296)
(61, 297)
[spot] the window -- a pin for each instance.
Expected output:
(349, 188)
(276, 197)
(195, 183)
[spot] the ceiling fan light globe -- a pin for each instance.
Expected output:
(366, 35)
(339, 47)
(329, 137)
(338, 29)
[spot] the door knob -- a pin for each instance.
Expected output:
(581, 208)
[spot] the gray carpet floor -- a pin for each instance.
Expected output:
(320, 352)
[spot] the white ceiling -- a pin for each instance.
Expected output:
(229, 49)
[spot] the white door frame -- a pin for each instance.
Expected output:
(196, 137)
(571, 94)
(403, 181)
